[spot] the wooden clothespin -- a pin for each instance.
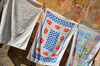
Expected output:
(78, 23)
(43, 7)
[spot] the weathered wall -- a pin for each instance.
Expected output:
(86, 10)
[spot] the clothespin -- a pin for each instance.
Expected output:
(43, 7)
(78, 23)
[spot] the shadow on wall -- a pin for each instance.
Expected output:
(1, 45)
(18, 56)
(66, 54)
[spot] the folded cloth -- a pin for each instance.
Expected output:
(18, 20)
(52, 38)
(1, 5)
(86, 43)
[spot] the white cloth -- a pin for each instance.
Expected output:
(52, 38)
(1, 5)
(18, 20)
(86, 43)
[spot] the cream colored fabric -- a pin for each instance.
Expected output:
(52, 38)
(18, 20)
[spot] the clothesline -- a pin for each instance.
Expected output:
(52, 37)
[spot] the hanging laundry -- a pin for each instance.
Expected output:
(52, 38)
(86, 43)
(18, 20)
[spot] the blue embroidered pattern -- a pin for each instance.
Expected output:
(44, 59)
(51, 41)
(59, 21)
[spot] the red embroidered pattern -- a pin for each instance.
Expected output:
(45, 53)
(57, 27)
(49, 22)
(57, 47)
(62, 38)
(38, 49)
(66, 30)
(45, 30)
(41, 40)
(54, 54)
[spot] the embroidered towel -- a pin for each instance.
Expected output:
(86, 43)
(51, 40)
(18, 20)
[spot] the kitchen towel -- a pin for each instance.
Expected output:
(86, 43)
(18, 20)
(52, 38)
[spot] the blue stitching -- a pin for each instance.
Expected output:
(44, 59)
(51, 41)
(60, 22)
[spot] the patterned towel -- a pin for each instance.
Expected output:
(18, 20)
(86, 43)
(52, 38)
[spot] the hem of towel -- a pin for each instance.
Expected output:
(14, 46)
(89, 30)
(42, 63)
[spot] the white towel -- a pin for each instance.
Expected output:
(18, 20)
(86, 43)
(52, 38)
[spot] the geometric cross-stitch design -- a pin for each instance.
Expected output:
(43, 58)
(51, 41)
(59, 21)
